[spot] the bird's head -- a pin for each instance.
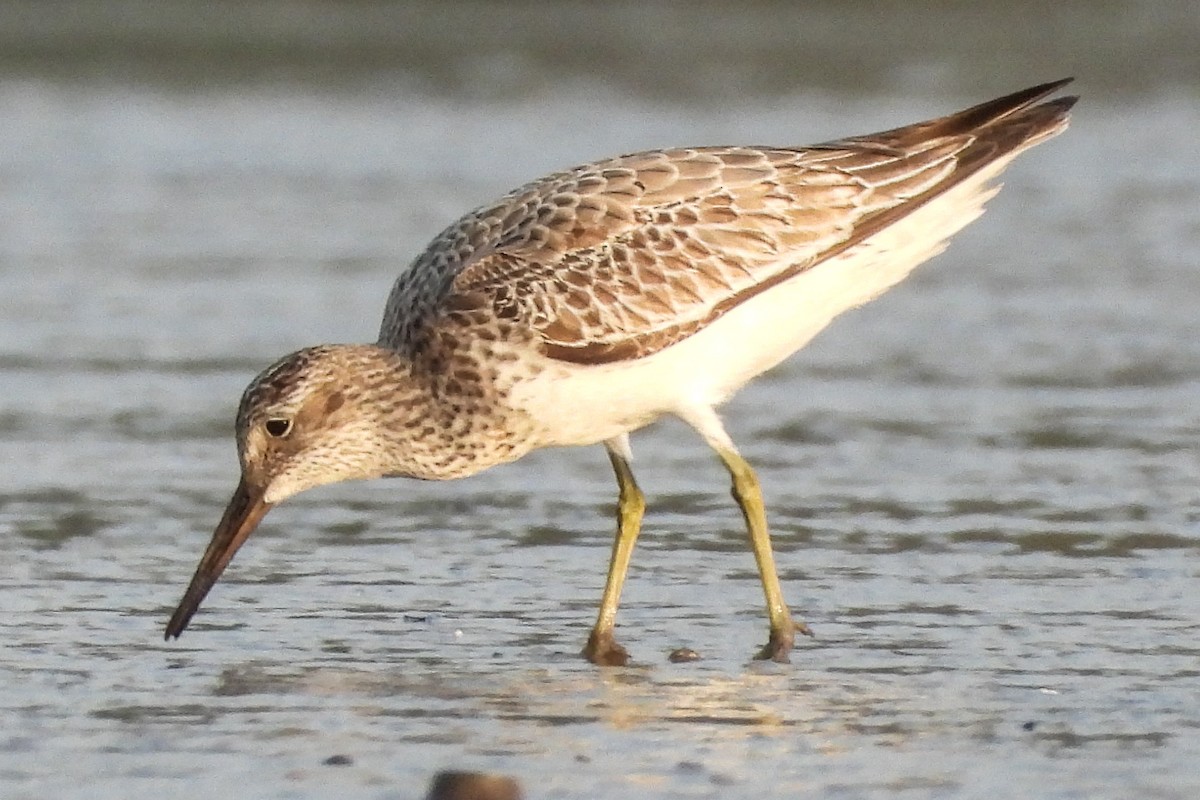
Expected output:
(314, 417)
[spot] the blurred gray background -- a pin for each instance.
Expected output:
(983, 486)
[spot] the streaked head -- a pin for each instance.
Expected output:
(314, 417)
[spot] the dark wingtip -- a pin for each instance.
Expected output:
(993, 111)
(1063, 103)
(1053, 86)
(1050, 88)
(973, 120)
(1034, 93)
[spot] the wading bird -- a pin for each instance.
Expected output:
(588, 304)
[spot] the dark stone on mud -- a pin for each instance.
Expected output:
(452, 785)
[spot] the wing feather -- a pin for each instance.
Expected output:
(624, 257)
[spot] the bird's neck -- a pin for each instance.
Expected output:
(443, 417)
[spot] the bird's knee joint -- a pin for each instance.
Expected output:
(632, 501)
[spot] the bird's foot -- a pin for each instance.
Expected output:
(602, 649)
(780, 643)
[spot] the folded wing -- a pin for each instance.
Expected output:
(623, 258)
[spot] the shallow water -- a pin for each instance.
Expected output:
(983, 486)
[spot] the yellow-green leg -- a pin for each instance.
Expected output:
(601, 647)
(748, 494)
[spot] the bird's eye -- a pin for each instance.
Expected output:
(278, 426)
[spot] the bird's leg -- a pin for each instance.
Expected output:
(601, 647)
(749, 498)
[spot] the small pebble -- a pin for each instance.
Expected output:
(682, 655)
(339, 760)
(451, 785)
(1028, 726)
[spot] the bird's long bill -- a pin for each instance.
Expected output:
(246, 508)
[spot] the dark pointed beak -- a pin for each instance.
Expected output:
(246, 508)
